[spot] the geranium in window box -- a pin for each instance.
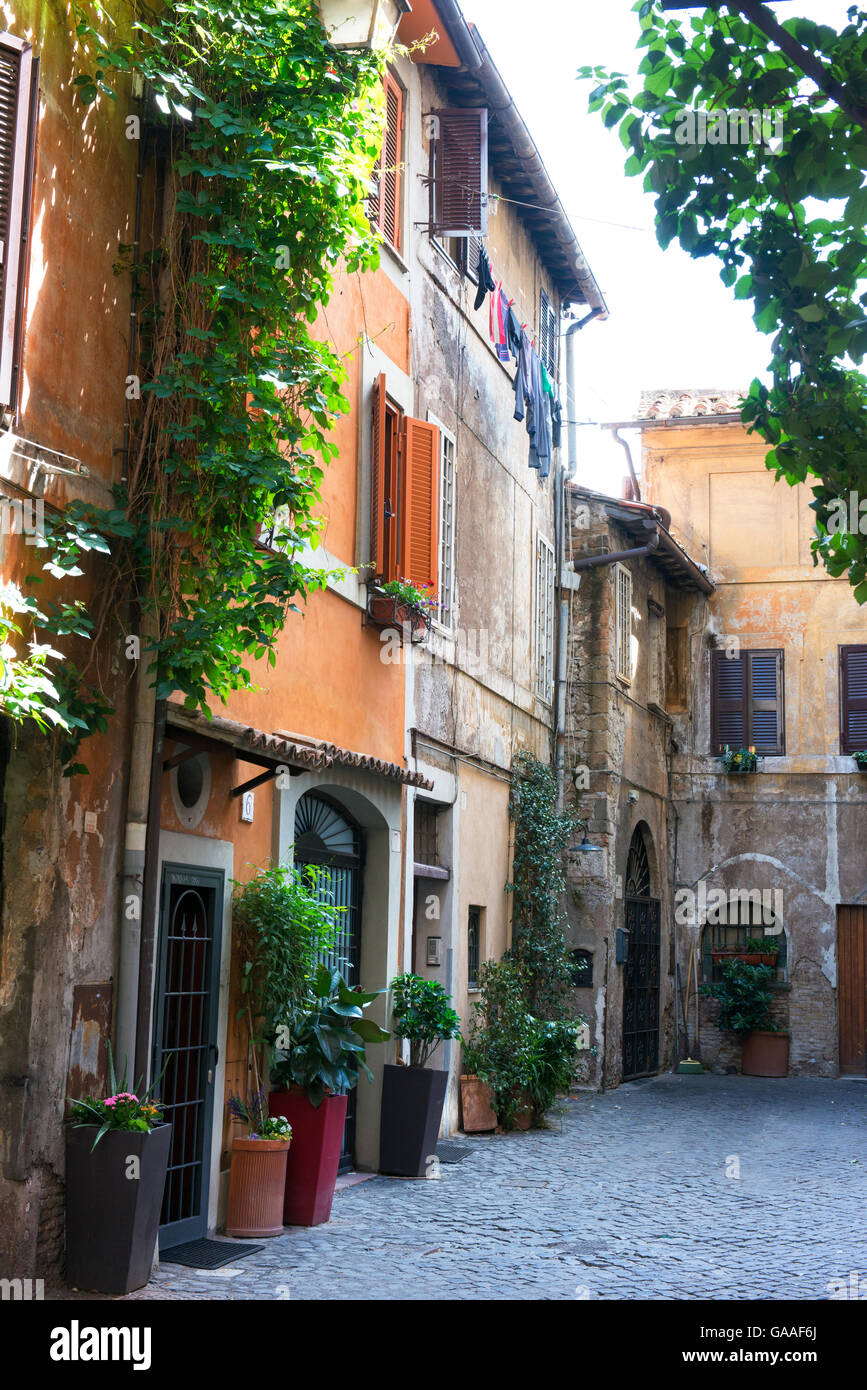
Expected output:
(739, 759)
(861, 759)
(403, 606)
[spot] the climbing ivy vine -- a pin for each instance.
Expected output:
(541, 834)
(266, 135)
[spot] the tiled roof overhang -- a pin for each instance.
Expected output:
(517, 162)
(272, 750)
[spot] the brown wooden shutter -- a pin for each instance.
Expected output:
(17, 116)
(853, 698)
(728, 701)
(419, 548)
(377, 479)
(459, 173)
(390, 182)
(548, 334)
(766, 732)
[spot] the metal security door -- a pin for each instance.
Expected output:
(185, 1041)
(327, 839)
(641, 989)
(852, 988)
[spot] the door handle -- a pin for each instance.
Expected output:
(213, 1059)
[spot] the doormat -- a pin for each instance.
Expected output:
(207, 1254)
(453, 1153)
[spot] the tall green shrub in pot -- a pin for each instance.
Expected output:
(745, 997)
(413, 1096)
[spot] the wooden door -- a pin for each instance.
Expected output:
(852, 988)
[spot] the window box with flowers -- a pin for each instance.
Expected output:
(861, 759)
(756, 951)
(739, 759)
(402, 606)
(117, 1153)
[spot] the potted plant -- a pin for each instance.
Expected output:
(744, 997)
(400, 604)
(323, 1049)
(477, 1097)
(861, 759)
(739, 759)
(257, 1179)
(757, 951)
(502, 1041)
(413, 1096)
(117, 1152)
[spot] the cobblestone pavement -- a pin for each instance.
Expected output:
(625, 1196)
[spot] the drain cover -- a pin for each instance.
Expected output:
(207, 1254)
(447, 1152)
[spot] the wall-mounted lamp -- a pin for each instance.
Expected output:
(370, 24)
(585, 846)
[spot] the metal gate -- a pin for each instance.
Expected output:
(641, 989)
(326, 838)
(185, 1041)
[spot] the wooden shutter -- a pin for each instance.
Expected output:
(728, 701)
(377, 479)
(853, 698)
(17, 116)
(548, 334)
(383, 205)
(459, 173)
(747, 701)
(419, 547)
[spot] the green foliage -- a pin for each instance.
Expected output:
(325, 1045)
(541, 835)
(271, 134)
(744, 997)
(752, 206)
(407, 592)
(739, 759)
(422, 1013)
(522, 1058)
(767, 945)
(285, 924)
(252, 1112)
(122, 1109)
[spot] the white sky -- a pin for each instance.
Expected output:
(673, 323)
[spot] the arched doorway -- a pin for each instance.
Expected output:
(641, 971)
(327, 837)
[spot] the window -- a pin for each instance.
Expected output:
(548, 334)
(623, 621)
(18, 110)
(383, 207)
(544, 619)
(404, 505)
(745, 916)
(747, 701)
(464, 252)
(853, 698)
(582, 969)
(474, 943)
(426, 838)
(458, 182)
(446, 582)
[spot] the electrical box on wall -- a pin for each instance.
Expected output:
(248, 806)
(434, 950)
(621, 946)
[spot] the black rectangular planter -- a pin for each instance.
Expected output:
(412, 1107)
(112, 1216)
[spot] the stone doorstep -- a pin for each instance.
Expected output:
(352, 1180)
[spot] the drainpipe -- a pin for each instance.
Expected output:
(590, 562)
(636, 490)
(571, 379)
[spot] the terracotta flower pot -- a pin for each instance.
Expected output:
(257, 1187)
(311, 1168)
(526, 1115)
(765, 1054)
(477, 1106)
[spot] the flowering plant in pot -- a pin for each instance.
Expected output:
(320, 1053)
(257, 1180)
(401, 604)
(739, 759)
(117, 1151)
(861, 759)
(745, 997)
(413, 1096)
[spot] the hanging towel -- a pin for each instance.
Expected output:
(514, 331)
(499, 323)
(486, 279)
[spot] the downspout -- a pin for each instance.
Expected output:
(613, 557)
(571, 380)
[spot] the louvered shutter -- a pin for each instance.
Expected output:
(459, 173)
(17, 108)
(383, 204)
(853, 698)
(729, 706)
(473, 245)
(419, 548)
(766, 731)
(548, 334)
(377, 479)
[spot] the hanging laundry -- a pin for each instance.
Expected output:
(532, 400)
(555, 408)
(499, 323)
(486, 279)
(514, 330)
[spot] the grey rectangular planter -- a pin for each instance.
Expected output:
(112, 1216)
(412, 1107)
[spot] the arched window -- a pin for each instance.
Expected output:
(737, 918)
(326, 838)
(637, 867)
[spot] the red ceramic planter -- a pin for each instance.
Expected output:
(311, 1171)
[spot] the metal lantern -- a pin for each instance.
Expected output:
(368, 24)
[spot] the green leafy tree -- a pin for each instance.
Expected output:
(780, 199)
